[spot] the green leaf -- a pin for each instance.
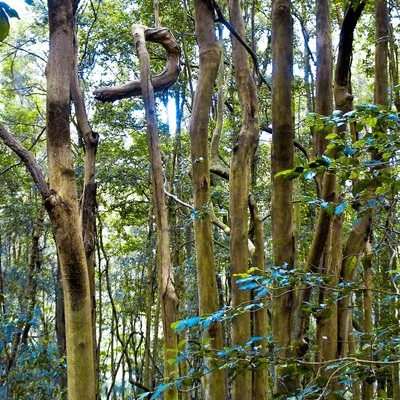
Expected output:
(283, 173)
(4, 25)
(331, 136)
(10, 11)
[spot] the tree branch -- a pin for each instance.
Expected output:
(28, 160)
(232, 30)
(159, 82)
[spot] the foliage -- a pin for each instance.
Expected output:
(365, 153)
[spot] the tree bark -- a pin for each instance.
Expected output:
(368, 388)
(381, 52)
(324, 78)
(281, 207)
(210, 54)
(360, 231)
(169, 301)
(239, 185)
(88, 200)
(260, 324)
(62, 205)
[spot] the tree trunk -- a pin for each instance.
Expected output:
(169, 301)
(260, 324)
(60, 330)
(381, 52)
(62, 205)
(368, 388)
(239, 184)
(281, 206)
(327, 324)
(324, 79)
(88, 200)
(210, 53)
(344, 102)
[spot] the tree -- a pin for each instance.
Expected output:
(61, 202)
(292, 268)
(210, 53)
(281, 205)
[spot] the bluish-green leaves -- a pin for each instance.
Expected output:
(6, 12)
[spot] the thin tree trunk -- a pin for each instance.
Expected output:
(324, 78)
(2, 305)
(327, 324)
(355, 387)
(60, 329)
(394, 68)
(28, 300)
(88, 200)
(360, 231)
(167, 293)
(149, 302)
(155, 341)
(260, 324)
(368, 388)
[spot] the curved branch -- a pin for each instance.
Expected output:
(27, 159)
(160, 82)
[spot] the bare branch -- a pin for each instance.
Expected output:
(28, 160)
(160, 82)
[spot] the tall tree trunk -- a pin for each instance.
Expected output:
(326, 249)
(210, 53)
(169, 301)
(344, 102)
(239, 185)
(88, 200)
(281, 206)
(327, 324)
(147, 379)
(62, 205)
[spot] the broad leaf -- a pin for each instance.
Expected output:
(4, 25)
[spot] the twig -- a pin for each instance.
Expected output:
(179, 201)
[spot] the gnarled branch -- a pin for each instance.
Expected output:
(160, 82)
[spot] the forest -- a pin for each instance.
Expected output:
(199, 199)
